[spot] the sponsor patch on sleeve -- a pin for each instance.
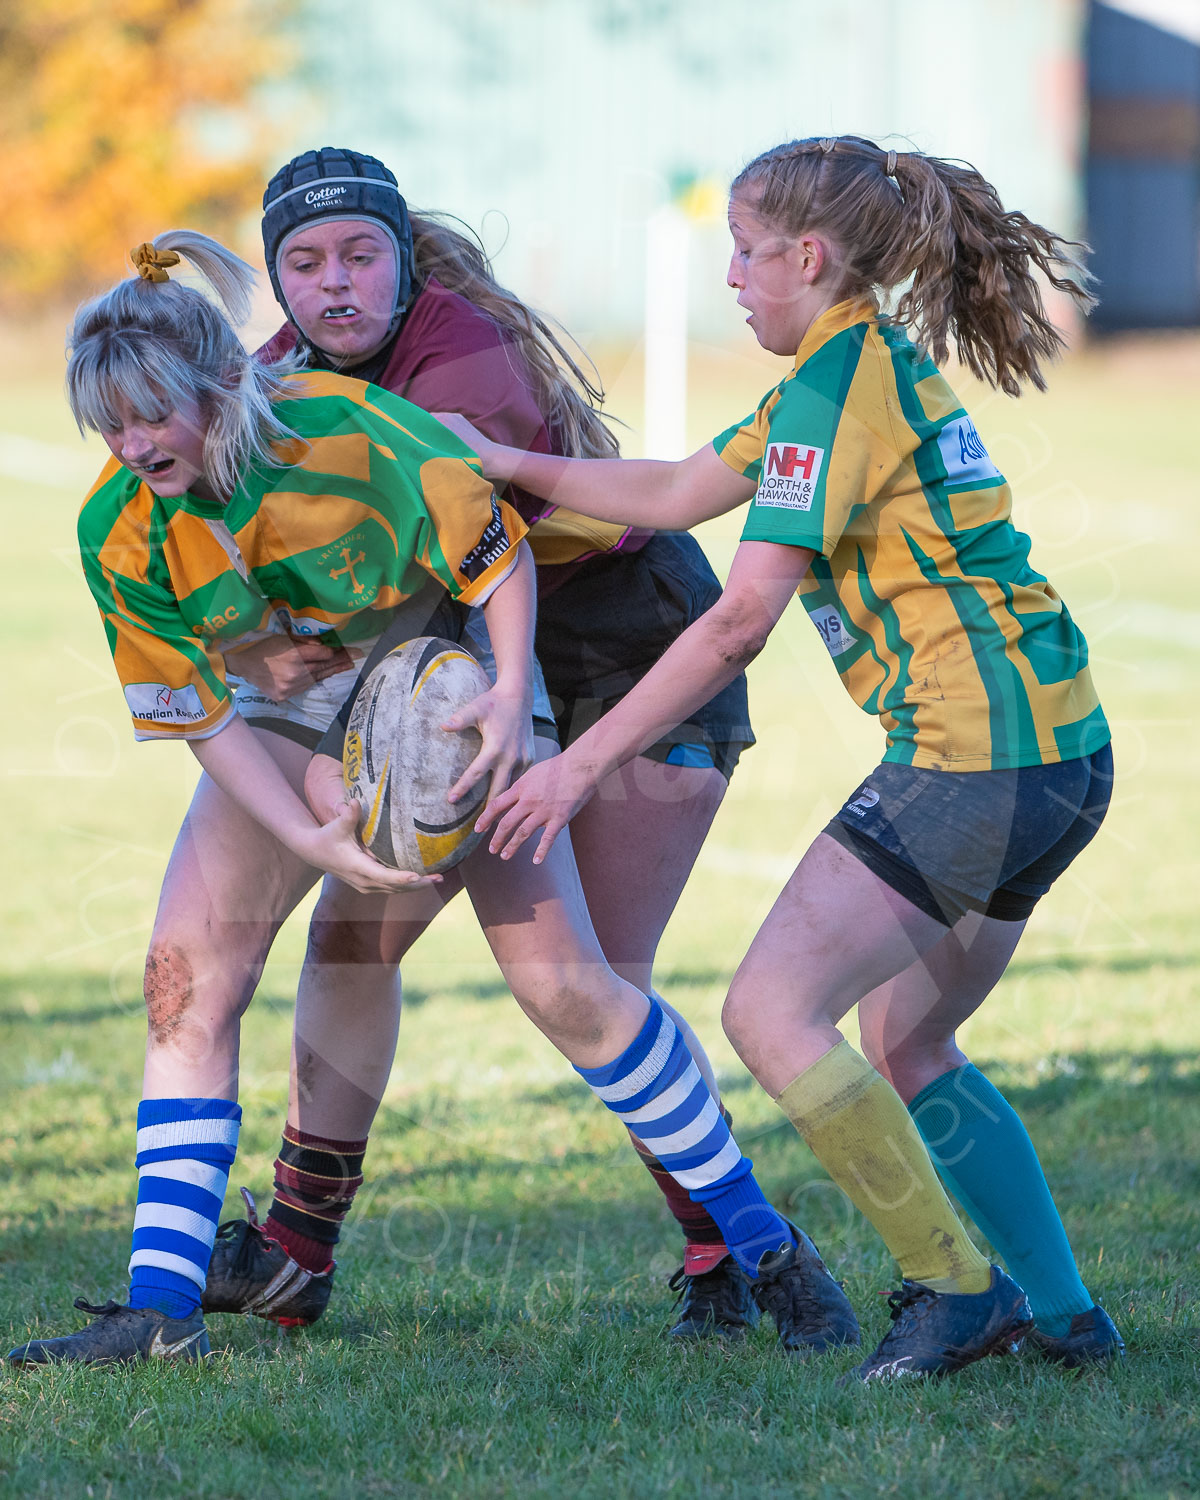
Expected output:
(964, 455)
(160, 704)
(490, 547)
(832, 629)
(789, 476)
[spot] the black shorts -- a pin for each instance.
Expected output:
(989, 841)
(601, 632)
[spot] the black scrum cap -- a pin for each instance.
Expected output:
(336, 184)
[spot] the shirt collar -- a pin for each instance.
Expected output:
(835, 320)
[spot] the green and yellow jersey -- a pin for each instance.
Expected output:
(374, 500)
(922, 590)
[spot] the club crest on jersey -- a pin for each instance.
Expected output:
(963, 453)
(789, 476)
(341, 561)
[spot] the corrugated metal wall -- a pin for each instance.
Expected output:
(1143, 172)
(558, 126)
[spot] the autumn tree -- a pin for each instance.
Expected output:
(124, 118)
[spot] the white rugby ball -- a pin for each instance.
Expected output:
(400, 763)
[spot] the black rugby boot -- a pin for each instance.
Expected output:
(120, 1335)
(713, 1304)
(811, 1311)
(1092, 1339)
(250, 1273)
(937, 1333)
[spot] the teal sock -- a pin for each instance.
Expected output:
(987, 1160)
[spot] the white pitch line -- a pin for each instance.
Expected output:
(55, 465)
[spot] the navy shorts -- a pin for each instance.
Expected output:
(989, 841)
(601, 632)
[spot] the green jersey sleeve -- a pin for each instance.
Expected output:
(174, 686)
(813, 460)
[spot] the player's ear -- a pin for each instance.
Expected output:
(816, 256)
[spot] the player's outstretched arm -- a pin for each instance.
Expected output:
(243, 770)
(629, 491)
(707, 656)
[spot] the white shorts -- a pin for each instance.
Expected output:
(307, 715)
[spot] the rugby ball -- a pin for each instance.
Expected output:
(400, 764)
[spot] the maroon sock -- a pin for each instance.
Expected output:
(315, 1182)
(705, 1244)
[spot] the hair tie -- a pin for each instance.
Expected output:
(828, 142)
(151, 264)
(891, 165)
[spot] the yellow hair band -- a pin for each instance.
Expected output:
(151, 264)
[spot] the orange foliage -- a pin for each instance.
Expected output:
(123, 119)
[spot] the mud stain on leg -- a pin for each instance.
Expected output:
(169, 992)
(306, 1074)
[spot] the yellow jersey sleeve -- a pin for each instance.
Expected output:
(824, 447)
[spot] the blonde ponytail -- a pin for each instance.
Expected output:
(154, 346)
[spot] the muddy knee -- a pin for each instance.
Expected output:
(179, 973)
(169, 988)
(570, 1013)
(871, 1040)
(350, 930)
(337, 941)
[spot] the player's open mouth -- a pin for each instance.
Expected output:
(159, 466)
(338, 314)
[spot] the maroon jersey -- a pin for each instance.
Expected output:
(448, 355)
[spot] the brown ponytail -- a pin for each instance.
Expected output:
(569, 400)
(899, 217)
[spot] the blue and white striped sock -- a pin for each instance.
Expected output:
(657, 1090)
(185, 1148)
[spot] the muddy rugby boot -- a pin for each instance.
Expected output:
(811, 1311)
(250, 1273)
(120, 1335)
(716, 1303)
(937, 1333)
(1092, 1339)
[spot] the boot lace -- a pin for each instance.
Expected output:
(711, 1295)
(905, 1308)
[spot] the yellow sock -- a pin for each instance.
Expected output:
(861, 1133)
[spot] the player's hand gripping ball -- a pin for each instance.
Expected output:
(399, 763)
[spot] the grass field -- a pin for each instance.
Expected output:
(497, 1328)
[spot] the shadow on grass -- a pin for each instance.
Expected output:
(469, 1219)
(1135, 1079)
(1070, 963)
(41, 998)
(1131, 1081)
(38, 997)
